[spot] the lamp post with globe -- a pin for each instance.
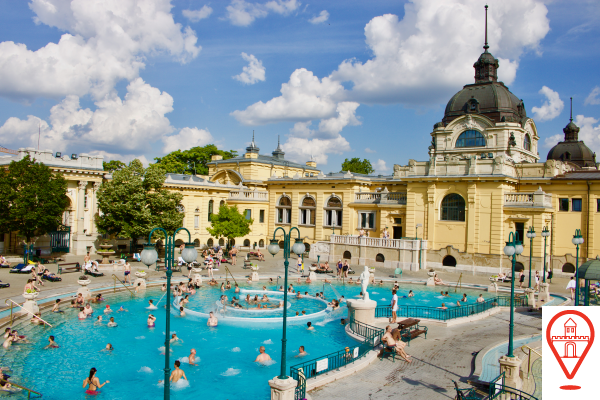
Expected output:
(545, 234)
(297, 248)
(577, 240)
(530, 234)
(513, 248)
(149, 256)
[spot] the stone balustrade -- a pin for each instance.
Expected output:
(248, 195)
(383, 197)
(537, 199)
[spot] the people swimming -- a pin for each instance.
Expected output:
(212, 320)
(56, 307)
(181, 312)
(111, 323)
(151, 321)
(301, 352)
(81, 315)
(309, 326)
(175, 339)
(107, 309)
(51, 343)
(151, 305)
(262, 357)
(93, 383)
(192, 357)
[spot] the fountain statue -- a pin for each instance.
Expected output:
(364, 281)
(105, 252)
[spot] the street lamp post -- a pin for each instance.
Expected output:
(513, 248)
(149, 256)
(297, 248)
(530, 234)
(545, 234)
(577, 240)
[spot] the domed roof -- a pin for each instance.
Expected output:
(572, 149)
(492, 99)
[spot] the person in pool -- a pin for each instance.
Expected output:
(343, 322)
(177, 374)
(212, 320)
(93, 382)
(298, 295)
(181, 312)
(309, 326)
(228, 286)
(222, 287)
(237, 288)
(98, 298)
(280, 288)
(88, 310)
(192, 357)
(301, 352)
(108, 347)
(163, 288)
(411, 294)
(151, 305)
(81, 314)
(51, 343)
(111, 323)
(56, 308)
(151, 320)
(264, 298)
(262, 357)
(175, 339)
(99, 319)
(107, 310)
(121, 309)
(464, 298)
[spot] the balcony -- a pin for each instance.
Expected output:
(383, 197)
(248, 195)
(537, 199)
(401, 244)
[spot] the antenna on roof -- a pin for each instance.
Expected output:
(485, 46)
(252, 136)
(571, 117)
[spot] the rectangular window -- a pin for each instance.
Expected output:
(366, 220)
(85, 201)
(261, 216)
(598, 205)
(576, 204)
(248, 214)
(307, 216)
(284, 216)
(398, 221)
(520, 228)
(196, 221)
(563, 204)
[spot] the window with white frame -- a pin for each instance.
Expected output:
(366, 219)
(196, 221)
(307, 211)
(284, 210)
(333, 212)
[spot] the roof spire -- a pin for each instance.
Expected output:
(278, 153)
(252, 137)
(485, 46)
(252, 148)
(571, 117)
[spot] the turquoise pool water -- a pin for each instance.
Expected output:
(491, 366)
(226, 353)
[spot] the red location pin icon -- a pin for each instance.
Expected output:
(570, 341)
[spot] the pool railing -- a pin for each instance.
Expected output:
(439, 314)
(498, 389)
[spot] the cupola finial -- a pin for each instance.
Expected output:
(485, 46)
(571, 117)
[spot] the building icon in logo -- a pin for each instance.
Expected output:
(570, 345)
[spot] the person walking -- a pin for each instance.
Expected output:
(521, 279)
(233, 253)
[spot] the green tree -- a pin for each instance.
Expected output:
(32, 198)
(193, 160)
(135, 201)
(113, 165)
(229, 223)
(357, 165)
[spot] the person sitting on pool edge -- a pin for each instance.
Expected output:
(437, 280)
(212, 320)
(262, 357)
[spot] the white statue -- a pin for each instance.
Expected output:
(364, 282)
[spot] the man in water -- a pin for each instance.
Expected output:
(174, 339)
(177, 374)
(301, 352)
(309, 326)
(212, 320)
(480, 299)
(56, 308)
(111, 323)
(51, 343)
(192, 357)
(262, 357)
(343, 322)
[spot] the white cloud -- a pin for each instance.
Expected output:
(551, 108)
(128, 124)
(106, 42)
(589, 132)
(186, 138)
(253, 72)
(553, 140)
(368, 150)
(301, 149)
(319, 19)
(197, 15)
(243, 13)
(381, 166)
(593, 97)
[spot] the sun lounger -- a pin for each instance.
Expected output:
(51, 278)
(22, 269)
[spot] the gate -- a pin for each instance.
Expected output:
(60, 239)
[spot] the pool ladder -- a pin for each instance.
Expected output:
(29, 391)
(12, 303)
(527, 350)
(115, 279)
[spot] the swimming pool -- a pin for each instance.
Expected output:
(490, 364)
(226, 353)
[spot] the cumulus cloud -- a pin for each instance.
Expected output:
(319, 19)
(186, 138)
(128, 124)
(368, 150)
(106, 42)
(593, 97)
(418, 60)
(381, 166)
(551, 108)
(253, 72)
(197, 15)
(243, 13)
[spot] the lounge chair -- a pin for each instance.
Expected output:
(52, 278)
(22, 269)
(92, 273)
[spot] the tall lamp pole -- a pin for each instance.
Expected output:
(577, 240)
(149, 256)
(297, 248)
(545, 234)
(513, 248)
(530, 234)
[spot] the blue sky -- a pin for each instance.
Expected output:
(359, 79)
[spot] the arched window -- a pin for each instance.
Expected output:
(568, 268)
(519, 266)
(379, 258)
(196, 242)
(347, 255)
(221, 203)
(333, 212)
(178, 242)
(449, 261)
(211, 204)
(307, 247)
(284, 210)
(247, 242)
(261, 243)
(232, 242)
(470, 138)
(221, 242)
(210, 242)
(453, 208)
(527, 143)
(307, 211)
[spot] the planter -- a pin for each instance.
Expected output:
(313, 268)
(30, 296)
(84, 282)
(372, 270)
(141, 274)
(493, 279)
(196, 270)
(431, 273)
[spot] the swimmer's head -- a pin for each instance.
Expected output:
(81, 308)
(180, 308)
(52, 338)
(193, 351)
(308, 324)
(261, 349)
(177, 363)
(302, 349)
(112, 319)
(57, 300)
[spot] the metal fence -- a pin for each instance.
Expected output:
(499, 390)
(449, 313)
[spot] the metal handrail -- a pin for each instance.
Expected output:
(24, 309)
(25, 388)
(115, 279)
(529, 357)
(227, 269)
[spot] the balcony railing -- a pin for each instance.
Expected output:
(248, 195)
(537, 199)
(405, 244)
(380, 197)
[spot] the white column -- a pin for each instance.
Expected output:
(80, 208)
(94, 207)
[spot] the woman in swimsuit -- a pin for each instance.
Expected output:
(151, 319)
(93, 382)
(79, 300)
